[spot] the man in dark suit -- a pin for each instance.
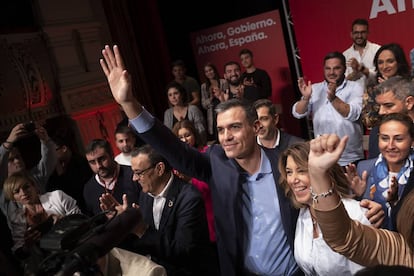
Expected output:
(174, 229)
(255, 222)
(270, 136)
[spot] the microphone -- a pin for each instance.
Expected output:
(97, 246)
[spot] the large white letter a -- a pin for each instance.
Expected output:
(377, 8)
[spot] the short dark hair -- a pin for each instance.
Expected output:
(99, 143)
(178, 63)
(251, 113)
(267, 103)
(153, 156)
(245, 51)
(231, 63)
(337, 55)
(124, 129)
(360, 21)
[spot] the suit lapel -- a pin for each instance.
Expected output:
(169, 206)
(146, 203)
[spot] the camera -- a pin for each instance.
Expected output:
(30, 126)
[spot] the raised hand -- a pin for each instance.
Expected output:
(325, 151)
(356, 183)
(16, 133)
(305, 88)
(41, 132)
(118, 78)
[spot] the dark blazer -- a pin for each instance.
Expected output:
(287, 139)
(373, 150)
(182, 243)
(366, 165)
(225, 179)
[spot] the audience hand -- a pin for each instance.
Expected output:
(42, 133)
(356, 183)
(219, 94)
(109, 203)
(375, 213)
(353, 63)
(381, 79)
(305, 88)
(16, 133)
(392, 192)
(331, 93)
(248, 82)
(239, 92)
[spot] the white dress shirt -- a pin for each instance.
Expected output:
(159, 203)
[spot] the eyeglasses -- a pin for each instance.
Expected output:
(142, 173)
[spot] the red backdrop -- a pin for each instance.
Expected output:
(323, 26)
(263, 34)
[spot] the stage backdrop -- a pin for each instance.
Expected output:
(322, 26)
(263, 35)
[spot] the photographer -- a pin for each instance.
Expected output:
(11, 161)
(11, 155)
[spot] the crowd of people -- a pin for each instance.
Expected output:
(218, 188)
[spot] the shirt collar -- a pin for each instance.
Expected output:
(265, 167)
(165, 190)
(276, 142)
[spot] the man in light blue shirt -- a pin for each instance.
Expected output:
(255, 222)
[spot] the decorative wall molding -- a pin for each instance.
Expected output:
(86, 98)
(55, 72)
(27, 82)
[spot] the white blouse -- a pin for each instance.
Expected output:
(314, 256)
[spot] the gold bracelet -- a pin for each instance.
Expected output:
(324, 194)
